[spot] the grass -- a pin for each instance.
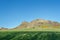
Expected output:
(37, 29)
(29, 35)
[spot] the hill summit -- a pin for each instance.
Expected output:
(38, 23)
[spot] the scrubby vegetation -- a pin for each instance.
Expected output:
(25, 35)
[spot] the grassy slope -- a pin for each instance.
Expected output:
(39, 29)
(36, 29)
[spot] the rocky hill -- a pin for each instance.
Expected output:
(39, 23)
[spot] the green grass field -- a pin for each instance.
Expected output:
(29, 35)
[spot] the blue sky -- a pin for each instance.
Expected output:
(13, 12)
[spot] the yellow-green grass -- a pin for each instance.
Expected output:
(35, 29)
